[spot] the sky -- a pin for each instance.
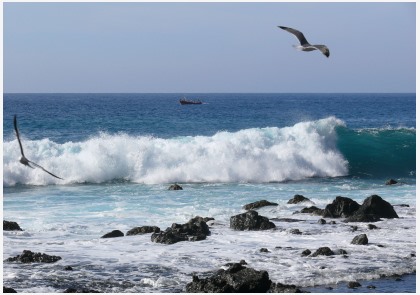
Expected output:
(207, 47)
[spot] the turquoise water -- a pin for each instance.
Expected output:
(118, 153)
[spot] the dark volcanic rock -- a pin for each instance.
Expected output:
(341, 252)
(362, 218)
(259, 204)
(326, 251)
(353, 285)
(8, 290)
(114, 234)
(295, 231)
(11, 225)
(30, 257)
(306, 252)
(312, 210)
(360, 240)
(236, 279)
(391, 182)
(322, 221)
(68, 268)
(175, 187)
(341, 207)
(375, 205)
(250, 221)
(196, 229)
(143, 230)
(372, 226)
(282, 288)
(264, 250)
(286, 219)
(298, 199)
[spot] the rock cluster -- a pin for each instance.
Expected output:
(30, 257)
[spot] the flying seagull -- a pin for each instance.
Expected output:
(304, 44)
(23, 159)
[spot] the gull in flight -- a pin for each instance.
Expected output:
(304, 44)
(23, 159)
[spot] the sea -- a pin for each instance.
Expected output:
(117, 155)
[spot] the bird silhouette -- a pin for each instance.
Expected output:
(23, 159)
(304, 44)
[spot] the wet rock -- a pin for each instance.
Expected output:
(322, 221)
(242, 262)
(286, 219)
(30, 257)
(236, 279)
(325, 251)
(264, 250)
(143, 230)
(391, 182)
(114, 234)
(371, 287)
(341, 207)
(282, 288)
(250, 221)
(353, 285)
(295, 231)
(401, 205)
(68, 268)
(8, 290)
(332, 222)
(259, 204)
(306, 252)
(298, 199)
(11, 226)
(360, 240)
(353, 228)
(372, 226)
(376, 206)
(312, 210)
(175, 187)
(341, 252)
(196, 229)
(362, 218)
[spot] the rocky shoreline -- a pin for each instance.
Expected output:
(240, 277)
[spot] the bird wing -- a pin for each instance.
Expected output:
(324, 49)
(298, 35)
(36, 165)
(18, 136)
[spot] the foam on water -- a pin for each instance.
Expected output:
(307, 149)
(68, 221)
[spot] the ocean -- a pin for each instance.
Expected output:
(119, 153)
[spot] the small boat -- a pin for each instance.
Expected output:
(186, 101)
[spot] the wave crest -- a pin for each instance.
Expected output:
(307, 149)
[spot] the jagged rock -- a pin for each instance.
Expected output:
(298, 199)
(372, 226)
(341, 207)
(143, 230)
(30, 257)
(11, 225)
(175, 187)
(114, 234)
(322, 221)
(353, 285)
(250, 221)
(259, 204)
(362, 218)
(295, 231)
(312, 210)
(8, 290)
(196, 229)
(326, 251)
(360, 240)
(236, 279)
(375, 205)
(282, 288)
(306, 252)
(391, 182)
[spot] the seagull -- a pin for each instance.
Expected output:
(23, 159)
(304, 44)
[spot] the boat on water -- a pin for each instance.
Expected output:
(186, 101)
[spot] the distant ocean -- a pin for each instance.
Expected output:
(118, 154)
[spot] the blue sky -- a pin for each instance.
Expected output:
(207, 47)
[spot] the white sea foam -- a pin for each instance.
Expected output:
(307, 149)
